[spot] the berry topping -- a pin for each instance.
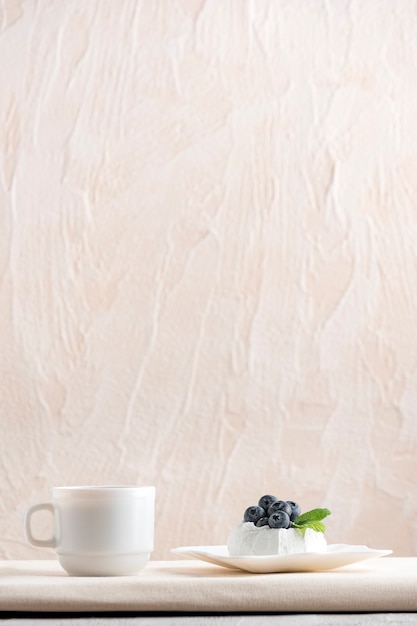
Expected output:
(266, 501)
(280, 505)
(253, 513)
(279, 519)
(275, 513)
(295, 510)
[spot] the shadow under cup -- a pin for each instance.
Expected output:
(99, 530)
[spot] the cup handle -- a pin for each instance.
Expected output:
(40, 543)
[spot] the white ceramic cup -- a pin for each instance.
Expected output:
(99, 530)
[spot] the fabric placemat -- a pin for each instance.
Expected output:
(381, 585)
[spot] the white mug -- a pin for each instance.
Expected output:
(99, 530)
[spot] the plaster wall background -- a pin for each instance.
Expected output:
(208, 260)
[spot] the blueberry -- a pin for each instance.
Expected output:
(262, 521)
(295, 510)
(266, 501)
(279, 519)
(280, 505)
(253, 513)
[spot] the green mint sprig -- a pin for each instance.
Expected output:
(312, 519)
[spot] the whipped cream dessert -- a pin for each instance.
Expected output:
(275, 527)
(248, 540)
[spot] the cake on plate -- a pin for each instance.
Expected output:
(277, 527)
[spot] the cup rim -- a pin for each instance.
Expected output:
(102, 490)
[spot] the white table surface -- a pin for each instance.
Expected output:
(387, 585)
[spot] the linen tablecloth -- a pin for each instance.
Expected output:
(379, 585)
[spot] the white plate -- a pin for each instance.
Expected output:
(336, 555)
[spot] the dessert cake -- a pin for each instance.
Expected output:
(276, 526)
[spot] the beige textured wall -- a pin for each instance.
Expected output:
(208, 260)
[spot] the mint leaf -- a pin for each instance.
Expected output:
(312, 519)
(319, 527)
(315, 515)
